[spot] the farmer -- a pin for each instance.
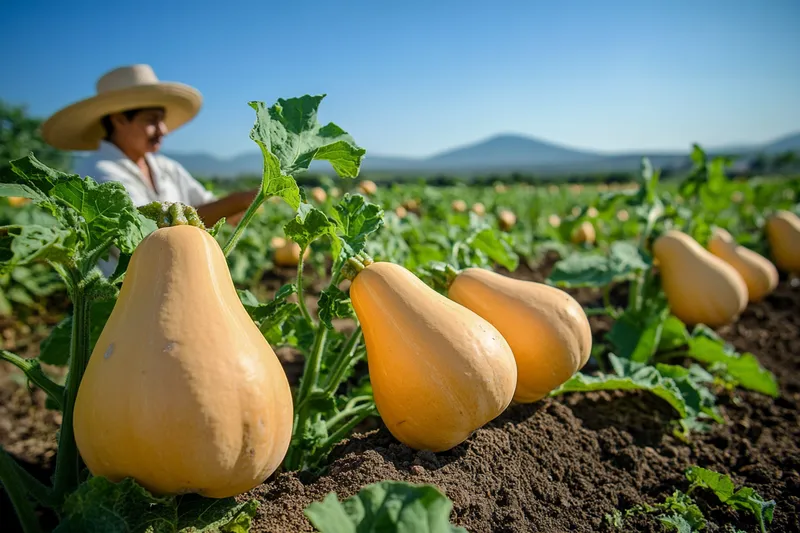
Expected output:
(123, 126)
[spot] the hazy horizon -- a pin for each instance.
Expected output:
(421, 78)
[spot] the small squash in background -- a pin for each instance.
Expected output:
(367, 187)
(783, 234)
(759, 274)
(584, 233)
(459, 206)
(438, 370)
(319, 195)
(287, 253)
(478, 208)
(700, 287)
(182, 392)
(547, 329)
(506, 219)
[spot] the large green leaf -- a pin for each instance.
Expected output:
(592, 269)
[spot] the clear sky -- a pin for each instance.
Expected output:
(417, 77)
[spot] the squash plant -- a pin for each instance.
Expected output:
(90, 218)
(645, 335)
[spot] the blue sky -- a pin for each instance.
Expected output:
(414, 78)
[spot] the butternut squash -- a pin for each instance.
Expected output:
(783, 234)
(700, 287)
(759, 274)
(506, 219)
(319, 195)
(459, 206)
(478, 208)
(584, 233)
(368, 187)
(400, 211)
(182, 392)
(287, 253)
(438, 370)
(554, 220)
(18, 201)
(547, 329)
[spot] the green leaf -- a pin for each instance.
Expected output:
(495, 247)
(203, 515)
(675, 522)
(722, 485)
(290, 130)
(673, 334)
(54, 350)
(274, 318)
(95, 214)
(356, 219)
(388, 506)
(100, 506)
(629, 377)
(309, 225)
(24, 245)
(637, 337)
(592, 269)
(334, 303)
(744, 368)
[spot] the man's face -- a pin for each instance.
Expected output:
(141, 134)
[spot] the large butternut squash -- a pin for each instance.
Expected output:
(700, 287)
(438, 370)
(759, 274)
(182, 392)
(783, 234)
(547, 329)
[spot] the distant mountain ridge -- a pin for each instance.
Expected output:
(503, 153)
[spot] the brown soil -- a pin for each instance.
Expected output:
(558, 465)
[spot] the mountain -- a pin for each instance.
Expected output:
(498, 154)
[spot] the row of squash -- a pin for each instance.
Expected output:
(183, 393)
(713, 285)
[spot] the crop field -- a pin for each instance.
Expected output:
(353, 356)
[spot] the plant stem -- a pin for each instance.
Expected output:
(300, 298)
(33, 371)
(14, 487)
(248, 216)
(67, 458)
(342, 362)
(348, 410)
(358, 414)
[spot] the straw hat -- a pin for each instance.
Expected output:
(78, 127)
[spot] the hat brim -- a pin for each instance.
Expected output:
(77, 126)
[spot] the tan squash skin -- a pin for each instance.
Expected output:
(759, 274)
(438, 370)
(506, 219)
(584, 233)
(783, 233)
(701, 288)
(182, 392)
(289, 254)
(319, 195)
(546, 328)
(459, 206)
(479, 209)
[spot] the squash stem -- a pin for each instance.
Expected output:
(358, 415)
(67, 458)
(15, 488)
(342, 363)
(300, 298)
(33, 371)
(246, 218)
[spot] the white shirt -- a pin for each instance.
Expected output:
(174, 183)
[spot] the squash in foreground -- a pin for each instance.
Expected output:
(438, 370)
(700, 287)
(783, 234)
(547, 329)
(759, 274)
(182, 392)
